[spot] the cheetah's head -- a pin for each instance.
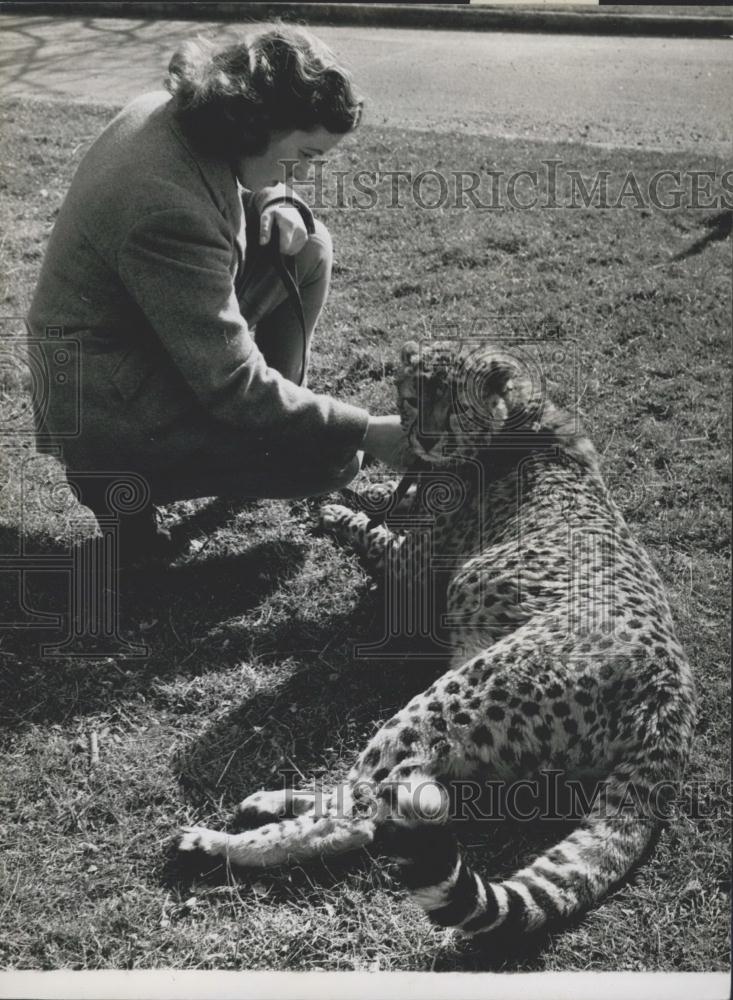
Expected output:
(457, 403)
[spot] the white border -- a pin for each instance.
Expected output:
(197, 985)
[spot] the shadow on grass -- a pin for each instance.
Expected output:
(165, 610)
(315, 717)
(193, 872)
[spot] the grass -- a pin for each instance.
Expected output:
(250, 668)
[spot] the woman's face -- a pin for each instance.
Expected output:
(287, 158)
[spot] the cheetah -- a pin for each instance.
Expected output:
(564, 659)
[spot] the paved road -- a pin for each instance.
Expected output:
(669, 94)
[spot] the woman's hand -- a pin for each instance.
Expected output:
(290, 225)
(386, 441)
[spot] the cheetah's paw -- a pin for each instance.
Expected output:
(198, 838)
(333, 515)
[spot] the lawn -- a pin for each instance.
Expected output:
(250, 667)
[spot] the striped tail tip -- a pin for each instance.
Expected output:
(452, 895)
(507, 908)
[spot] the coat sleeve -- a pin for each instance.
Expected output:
(176, 266)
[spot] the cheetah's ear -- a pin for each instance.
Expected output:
(502, 393)
(410, 354)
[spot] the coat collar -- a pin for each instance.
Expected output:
(219, 178)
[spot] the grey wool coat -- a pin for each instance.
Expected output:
(140, 281)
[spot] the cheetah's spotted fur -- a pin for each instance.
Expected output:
(565, 658)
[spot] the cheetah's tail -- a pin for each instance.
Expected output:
(565, 880)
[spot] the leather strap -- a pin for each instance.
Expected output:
(287, 270)
(305, 212)
(282, 265)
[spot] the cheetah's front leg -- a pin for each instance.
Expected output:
(349, 527)
(380, 498)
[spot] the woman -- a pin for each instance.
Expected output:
(159, 269)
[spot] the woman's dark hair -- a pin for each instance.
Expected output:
(231, 99)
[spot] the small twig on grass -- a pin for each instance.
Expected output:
(295, 767)
(125, 717)
(93, 749)
(164, 918)
(608, 443)
(173, 628)
(226, 767)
